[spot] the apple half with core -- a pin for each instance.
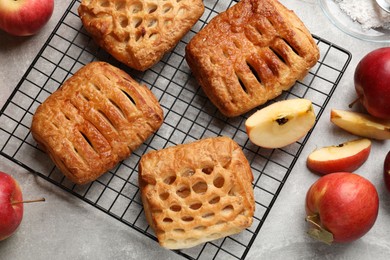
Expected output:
(24, 17)
(386, 171)
(360, 124)
(345, 157)
(341, 207)
(281, 123)
(372, 82)
(11, 205)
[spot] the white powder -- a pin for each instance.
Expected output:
(365, 12)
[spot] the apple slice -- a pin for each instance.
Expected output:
(281, 123)
(361, 124)
(345, 157)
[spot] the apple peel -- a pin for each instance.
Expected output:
(347, 156)
(386, 171)
(24, 18)
(11, 204)
(371, 80)
(344, 204)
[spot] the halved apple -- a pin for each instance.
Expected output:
(361, 124)
(345, 157)
(281, 123)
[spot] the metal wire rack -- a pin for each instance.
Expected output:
(188, 114)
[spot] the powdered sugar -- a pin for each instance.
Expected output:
(365, 12)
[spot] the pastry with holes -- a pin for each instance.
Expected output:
(139, 32)
(196, 192)
(95, 120)
(250, 54)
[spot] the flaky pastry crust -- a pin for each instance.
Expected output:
(139, 32)
(249, 54)
(196, 192)
(95, 120)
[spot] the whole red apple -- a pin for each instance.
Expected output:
(341, 207)
(10, 214)
(24, 17)
(386, 171)
(372, 82)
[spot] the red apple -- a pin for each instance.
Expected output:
(24, 17)
(11, 205)
(386, 172)
(10, 214)
(372, 77)
(347, 157)
(341, 207)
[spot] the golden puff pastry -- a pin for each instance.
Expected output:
(197, 192)
(95, 120)
(249, 54)
(139, 32)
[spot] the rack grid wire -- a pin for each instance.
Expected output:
(188, 115)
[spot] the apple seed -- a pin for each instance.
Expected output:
(282, 121)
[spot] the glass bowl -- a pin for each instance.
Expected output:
(353, 28)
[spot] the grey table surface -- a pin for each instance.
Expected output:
(65, 227)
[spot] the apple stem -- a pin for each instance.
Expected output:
(318, 232)
(311, 220)
(28, 201)
(353, 102)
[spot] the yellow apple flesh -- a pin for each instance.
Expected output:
(361, 124)
(347, 156)
(281, 123)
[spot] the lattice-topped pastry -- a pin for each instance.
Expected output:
(139, 32)
(249, 54)
(197, 192)
(95, 120)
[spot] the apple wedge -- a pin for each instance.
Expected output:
(345, 157)
(281, 123)
(361, 124)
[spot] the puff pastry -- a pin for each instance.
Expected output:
(249, 54)
(196, 192)
(139, 32)
(95, 120)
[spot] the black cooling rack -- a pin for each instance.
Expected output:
(188, 114)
